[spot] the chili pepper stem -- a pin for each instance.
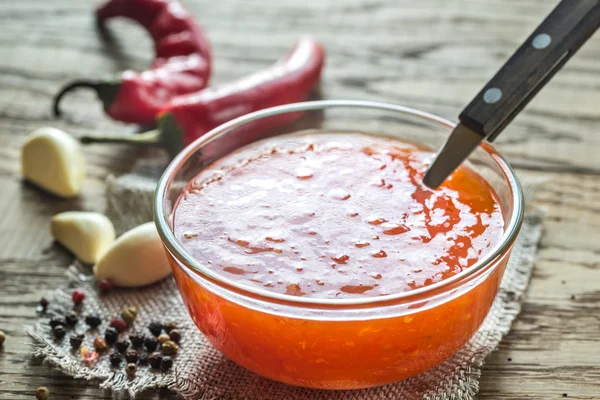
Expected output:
(150, 138)
(105, 90)
(168, 135)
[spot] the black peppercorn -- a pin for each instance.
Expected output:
(151, 343)
(71, 319)
(136, 340)
(111, 335)
(154, 360)
(169, 326)
(93, 320)
(115, 359)
(76, 341)
(122, 345)
(175, 335)
(132, 356)
(166, 363)
(59, 331)
(56, 321)
(155, 328)
(143, 359)
(43, 306)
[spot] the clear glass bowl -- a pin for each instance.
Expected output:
(329, 343)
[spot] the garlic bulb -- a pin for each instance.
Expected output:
(53, 160)
(137, 258)
(88, 235)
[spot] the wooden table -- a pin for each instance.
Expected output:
(429, 54)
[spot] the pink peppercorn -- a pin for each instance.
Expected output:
(118, 324)
(77, 297)
(105, 286)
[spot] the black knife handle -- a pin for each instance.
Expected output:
(561, 34)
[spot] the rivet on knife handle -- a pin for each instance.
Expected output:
(561, 34)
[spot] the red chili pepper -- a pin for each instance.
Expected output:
(190, 116)
(182, 64)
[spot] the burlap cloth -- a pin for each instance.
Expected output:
(201, 372)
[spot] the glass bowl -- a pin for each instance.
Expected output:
(336, 343)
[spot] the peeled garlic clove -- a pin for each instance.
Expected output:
(53, 160)
(137, 258)
(88, 235)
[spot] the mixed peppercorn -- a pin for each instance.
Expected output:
(76, 340)
(122, 345)
(77, 296)
(156, 348)
(111, 335)
(115, 359)
(42, 393)
(129, 314)
(93, 321)
(104, 286)
(71, 319)
(43, 305)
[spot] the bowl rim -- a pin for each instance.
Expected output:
(176, 249)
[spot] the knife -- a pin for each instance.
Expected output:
(548, 48)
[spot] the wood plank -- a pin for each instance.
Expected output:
(432, 54)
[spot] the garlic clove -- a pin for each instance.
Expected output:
(88, 235)
(137, 258)
(53, 160)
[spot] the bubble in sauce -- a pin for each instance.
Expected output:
(304, 173)
(339, 194)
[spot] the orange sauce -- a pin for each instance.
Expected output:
(336, 216)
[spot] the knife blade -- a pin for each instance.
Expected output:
(458, 147)
(543, 54)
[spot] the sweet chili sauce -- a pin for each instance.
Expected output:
(336, 216)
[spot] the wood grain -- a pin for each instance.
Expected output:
(431, 54)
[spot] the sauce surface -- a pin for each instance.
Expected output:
(335, 216)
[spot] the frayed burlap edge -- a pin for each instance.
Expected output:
(42, 347)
